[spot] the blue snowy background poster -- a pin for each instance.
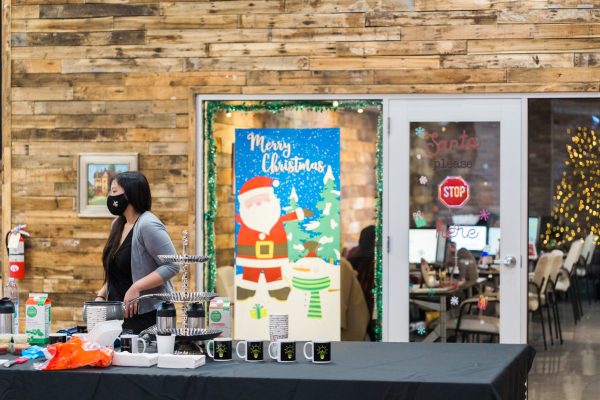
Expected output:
(287, 231)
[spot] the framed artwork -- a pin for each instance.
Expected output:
(96, 172)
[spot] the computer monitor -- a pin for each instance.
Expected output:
(422, 244)
(471, 237)
(533, 229)
(494, 240)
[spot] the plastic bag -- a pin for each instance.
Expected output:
(76, 354)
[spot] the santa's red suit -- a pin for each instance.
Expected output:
(264, 252)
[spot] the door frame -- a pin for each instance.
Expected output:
(389, 319)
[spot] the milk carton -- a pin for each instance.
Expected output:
(37, 318)
(220, 315)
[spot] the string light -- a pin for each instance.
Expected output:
(575, 191)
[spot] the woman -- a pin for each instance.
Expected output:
(363, 261)
(130, 257)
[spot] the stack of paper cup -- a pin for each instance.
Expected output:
(94, 316)
(278, 326)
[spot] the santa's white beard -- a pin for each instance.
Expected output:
(263, 217)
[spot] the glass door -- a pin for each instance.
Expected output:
(456, 221)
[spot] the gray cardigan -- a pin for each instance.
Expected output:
(150, 239)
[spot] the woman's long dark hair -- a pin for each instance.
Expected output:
(137, 191)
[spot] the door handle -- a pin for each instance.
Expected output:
(509, 261)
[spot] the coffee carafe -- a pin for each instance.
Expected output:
(7, 315)
(195, 316)
(166, 317)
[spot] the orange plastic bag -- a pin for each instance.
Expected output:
(76, 354)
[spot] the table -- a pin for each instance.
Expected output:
(435, 299)
(361, 370)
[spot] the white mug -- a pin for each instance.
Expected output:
(320, 351)
(253, 350)
(165, 344)
(129, 343)
(283, 350)
(222, 349)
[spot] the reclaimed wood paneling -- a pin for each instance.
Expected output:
(78, 38)
(97, 10)
(119, 75)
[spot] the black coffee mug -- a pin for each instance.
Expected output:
(220, 349)
(320, 352)
(58, 338)
(253, 350)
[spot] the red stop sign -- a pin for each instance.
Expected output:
(454, 191)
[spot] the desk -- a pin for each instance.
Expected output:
(361, 370)
(436, 299)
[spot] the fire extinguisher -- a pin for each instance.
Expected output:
(15, 244)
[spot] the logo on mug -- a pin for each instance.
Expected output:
(288, 351)
(255, 351)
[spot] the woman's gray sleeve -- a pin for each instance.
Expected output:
(157, 242)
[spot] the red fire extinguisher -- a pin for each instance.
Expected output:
(15, 244)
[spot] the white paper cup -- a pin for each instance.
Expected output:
(278, 326)
(165, 344)
(95, 315)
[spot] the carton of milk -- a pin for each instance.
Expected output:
(220, 315)
(37, 318)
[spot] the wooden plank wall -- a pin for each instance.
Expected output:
(118, 75)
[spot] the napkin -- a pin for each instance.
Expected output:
(180, 361)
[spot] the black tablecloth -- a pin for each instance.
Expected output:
(362, 371)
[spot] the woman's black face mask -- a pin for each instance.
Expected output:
(117, 204)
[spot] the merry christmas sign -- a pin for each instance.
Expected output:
(287, 231)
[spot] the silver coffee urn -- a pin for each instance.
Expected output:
(7, 316)
(195, 316)
(166, 316)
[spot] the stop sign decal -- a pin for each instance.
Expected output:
(454, 192)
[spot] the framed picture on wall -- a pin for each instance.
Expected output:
(96, 171)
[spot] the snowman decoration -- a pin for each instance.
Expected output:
(312, 275)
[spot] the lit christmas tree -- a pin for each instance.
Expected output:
(328, 227)
(295, 234)
(576, 211)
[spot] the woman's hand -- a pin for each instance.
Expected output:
(150, 281)
(131, 308)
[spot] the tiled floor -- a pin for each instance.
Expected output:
(570, 371)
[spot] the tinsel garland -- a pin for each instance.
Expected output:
(276, 106)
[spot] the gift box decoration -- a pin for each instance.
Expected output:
(258, 312)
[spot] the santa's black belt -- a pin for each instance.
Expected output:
(263, 249)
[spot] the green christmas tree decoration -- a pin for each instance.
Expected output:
(576, 210)
(328, 226)
(295, 234)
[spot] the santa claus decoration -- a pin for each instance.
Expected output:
(262, 243)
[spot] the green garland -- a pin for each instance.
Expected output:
(276, 106)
